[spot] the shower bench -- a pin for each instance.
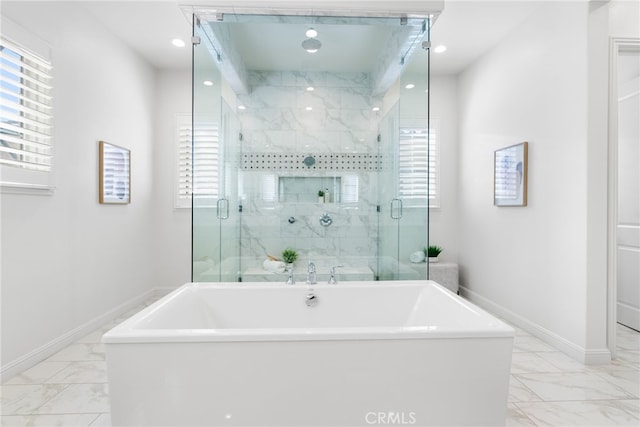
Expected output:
(446, 274)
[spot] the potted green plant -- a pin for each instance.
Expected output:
(320, 196)
(289, 256)
(432, 252)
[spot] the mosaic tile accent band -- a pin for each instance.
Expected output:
(301, 162)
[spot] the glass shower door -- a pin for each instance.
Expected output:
(215, 213)
(389, 204)
(229, 208)
(404, 181)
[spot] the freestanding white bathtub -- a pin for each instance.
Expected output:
(255, 354)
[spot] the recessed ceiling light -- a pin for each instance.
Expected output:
(310, 89)
(311, 33)
(207, 83)
(241, 107)
(375, 109)
(178, 42)
(410, 86)
(309, 108)
(440, 48)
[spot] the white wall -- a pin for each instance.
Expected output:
(443, 221)
(624, 18)
(172, 254)
(66, 259)
(534, 263)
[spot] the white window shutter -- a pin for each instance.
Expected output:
(350, 189)
(26, 119)
(197, 163)
(418, 163)
(269, 187)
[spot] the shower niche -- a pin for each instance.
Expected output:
(301, 135)
(303, 189)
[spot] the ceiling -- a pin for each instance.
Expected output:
(467, 28)
(148, 28)
(345, 48)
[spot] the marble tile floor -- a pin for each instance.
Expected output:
(547, 387)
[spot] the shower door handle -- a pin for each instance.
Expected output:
(396, 205)
(223, 208)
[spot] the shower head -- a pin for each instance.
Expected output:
(311, 45)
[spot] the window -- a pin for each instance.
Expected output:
(197, 165)
(26, 131)
(418, 167)
(268, 187)
(350, 191)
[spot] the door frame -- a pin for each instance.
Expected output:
(617, 45)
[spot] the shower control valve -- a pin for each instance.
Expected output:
(326, 220)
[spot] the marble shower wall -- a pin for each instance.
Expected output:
(283, 117)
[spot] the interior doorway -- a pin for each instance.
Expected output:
(624, 209)
(628, 218)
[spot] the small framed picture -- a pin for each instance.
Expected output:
(115, 174)
(510, 176)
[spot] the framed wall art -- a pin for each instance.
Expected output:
(510, 175)
(115, 174)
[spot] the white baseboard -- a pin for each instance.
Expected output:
(160, 292)
(586, 356)
(52, 347)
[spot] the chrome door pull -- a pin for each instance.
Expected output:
(223, 208)
(396, 204)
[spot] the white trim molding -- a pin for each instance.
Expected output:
(19, 188)
(587, 356)
(41, 353)
(616, 45)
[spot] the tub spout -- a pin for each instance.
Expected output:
(311, 299)
(311, 274)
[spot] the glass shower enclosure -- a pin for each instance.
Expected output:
(308, 150)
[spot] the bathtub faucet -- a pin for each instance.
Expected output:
(311, 274)
(289, 270)
(332, 274)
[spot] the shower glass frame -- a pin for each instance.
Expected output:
(240, 224)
